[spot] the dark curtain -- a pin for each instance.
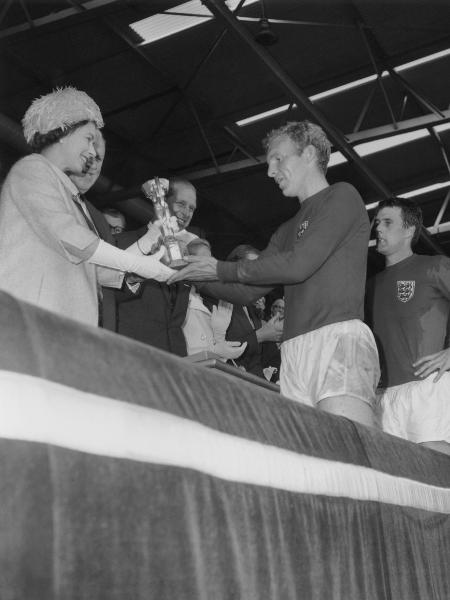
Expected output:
(76, 525)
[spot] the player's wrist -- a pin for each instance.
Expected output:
(226, 271)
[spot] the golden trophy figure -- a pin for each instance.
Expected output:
(156, 190)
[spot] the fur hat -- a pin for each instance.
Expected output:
(60, 109)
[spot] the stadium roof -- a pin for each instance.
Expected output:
(185, 89)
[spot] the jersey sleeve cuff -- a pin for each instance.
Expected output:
(227, 271)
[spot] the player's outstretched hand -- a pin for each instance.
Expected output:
(200, 268)
(439, 362)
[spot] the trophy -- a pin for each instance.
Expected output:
(156, 189)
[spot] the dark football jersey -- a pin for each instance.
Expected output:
(409, 305)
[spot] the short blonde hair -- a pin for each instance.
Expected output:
(302, 134)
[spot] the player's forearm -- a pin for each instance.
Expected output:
(237, 293)
(283, 268)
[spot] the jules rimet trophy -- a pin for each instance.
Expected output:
(156, 190)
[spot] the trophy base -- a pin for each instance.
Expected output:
(177, 264)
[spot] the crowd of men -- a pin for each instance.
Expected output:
(330, 357)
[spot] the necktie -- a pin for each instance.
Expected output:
(79, 203)
(82, 208)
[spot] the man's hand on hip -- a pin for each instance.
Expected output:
(439, 362)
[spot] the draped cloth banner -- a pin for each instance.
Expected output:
(130, 474)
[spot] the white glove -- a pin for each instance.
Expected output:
(152, 239)
(148, 267)
(269, 371)
(220, 320)
(229, 350)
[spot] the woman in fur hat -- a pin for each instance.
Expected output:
(50, 252)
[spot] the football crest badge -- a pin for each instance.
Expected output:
(302, 228)
(405, 290)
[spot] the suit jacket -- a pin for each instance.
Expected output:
(155, 315)
(108, 318)
(271, 357)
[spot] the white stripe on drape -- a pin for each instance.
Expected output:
(39, 410)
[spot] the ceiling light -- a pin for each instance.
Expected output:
(375, 146)
(443, 127)
(264, 115)
(425, 190)
(424, 59)
(265, 35)
(347, 86)
(315, 97)
(416, 192)
(176, 19)
(336, 158)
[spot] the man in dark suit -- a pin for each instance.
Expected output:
(84, 183)
(150, 312)
(155, 315)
